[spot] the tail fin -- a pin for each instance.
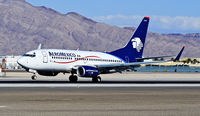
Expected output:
(135, 46)
(179, 54)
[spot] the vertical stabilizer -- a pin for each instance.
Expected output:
(134, 48)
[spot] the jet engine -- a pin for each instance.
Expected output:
(87, 71)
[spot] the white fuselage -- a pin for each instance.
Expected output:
(64, 60)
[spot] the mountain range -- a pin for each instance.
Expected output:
(23, 27)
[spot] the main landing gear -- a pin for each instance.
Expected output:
(96, 79)
(73, 78)
(34, 77)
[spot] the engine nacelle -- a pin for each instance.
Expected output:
(87, 71)
(47, 73)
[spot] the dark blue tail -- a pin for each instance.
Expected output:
(134, 48)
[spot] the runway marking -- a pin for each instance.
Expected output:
(99, 85)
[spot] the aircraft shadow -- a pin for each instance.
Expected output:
(102, 82)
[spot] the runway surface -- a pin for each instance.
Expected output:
(130, 94)
(96, 101)
(112, 80)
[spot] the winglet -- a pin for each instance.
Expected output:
(179, 54)
(39, 46)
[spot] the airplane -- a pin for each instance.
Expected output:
(88, 64)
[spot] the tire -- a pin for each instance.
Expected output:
(99, 78)
(94, 79)
(73, 79)
(34, 77)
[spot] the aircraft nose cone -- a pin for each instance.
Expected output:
(20, 61)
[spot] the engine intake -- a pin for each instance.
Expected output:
(87, 71)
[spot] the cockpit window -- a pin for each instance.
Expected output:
(29, 55)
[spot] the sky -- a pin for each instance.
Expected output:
(166, 16)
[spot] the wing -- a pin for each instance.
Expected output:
(154, 57)
(123, 66)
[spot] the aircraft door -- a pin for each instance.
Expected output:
(45, 57)
(85, 60)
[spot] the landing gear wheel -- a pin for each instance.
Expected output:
(34, 77)
(96, 79)
(73, 78)
(99, 78)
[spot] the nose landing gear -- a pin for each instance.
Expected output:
(34, 77)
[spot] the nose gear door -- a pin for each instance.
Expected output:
(45, 57)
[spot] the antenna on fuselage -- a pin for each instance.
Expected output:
(39, 46)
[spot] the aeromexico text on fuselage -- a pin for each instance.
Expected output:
(63, 54)
(71, 54)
